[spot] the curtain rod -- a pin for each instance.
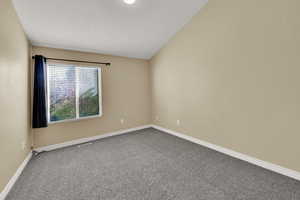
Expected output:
(79, 61)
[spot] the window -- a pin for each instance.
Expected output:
(73, 92)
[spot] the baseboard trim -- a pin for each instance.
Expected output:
(89, 139)
(267, 165)
(15, 177)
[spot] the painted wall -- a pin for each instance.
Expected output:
(125, 95)
(231, 77)
(14, 93)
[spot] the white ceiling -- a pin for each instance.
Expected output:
(105, 26)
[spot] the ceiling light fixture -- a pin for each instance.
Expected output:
(130, 2)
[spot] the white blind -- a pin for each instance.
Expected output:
(73, 92)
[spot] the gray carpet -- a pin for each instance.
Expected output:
(147, 165)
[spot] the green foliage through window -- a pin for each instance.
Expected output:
(73, 92)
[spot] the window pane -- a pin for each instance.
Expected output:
(88, 92)
(62, 84)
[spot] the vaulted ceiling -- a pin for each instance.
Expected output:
(105, 26)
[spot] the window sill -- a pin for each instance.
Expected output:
(74, 120)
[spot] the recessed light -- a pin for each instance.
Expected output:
(130, 2)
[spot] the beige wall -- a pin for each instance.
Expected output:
(14, 93)
(125, 93)
(232, 76)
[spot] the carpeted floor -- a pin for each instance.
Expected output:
(147, 165)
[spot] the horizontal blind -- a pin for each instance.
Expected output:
(88, 92)
(73, 92)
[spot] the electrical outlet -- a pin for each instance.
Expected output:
(122, 121)
(157, 118)
(178, 122)
(23, 145)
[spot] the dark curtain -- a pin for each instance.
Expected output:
(39, 117)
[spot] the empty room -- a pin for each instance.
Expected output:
(149, 100)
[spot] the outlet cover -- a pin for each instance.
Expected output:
(23, 144)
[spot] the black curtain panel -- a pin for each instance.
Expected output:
(39, 117)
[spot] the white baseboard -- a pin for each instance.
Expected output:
(252, 160)
(89, 139)
(15, 177)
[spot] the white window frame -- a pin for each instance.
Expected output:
(77, 118)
